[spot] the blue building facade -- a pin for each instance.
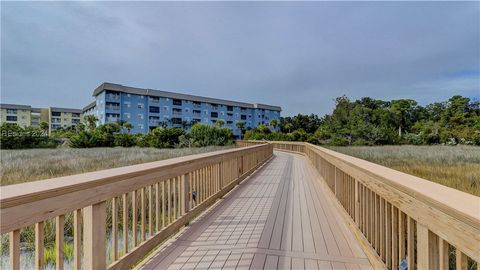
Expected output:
(147, 109)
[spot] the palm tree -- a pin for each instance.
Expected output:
(219, 123)
(289, 127)
(91, 121)
(274, 123)
(241, 126)
(128, 126)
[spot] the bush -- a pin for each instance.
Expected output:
(15, 137)
(203, 135)
(164, 137)
(125, 140)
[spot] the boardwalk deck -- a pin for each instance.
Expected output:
(277, 219)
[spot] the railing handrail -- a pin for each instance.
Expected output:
(35, 192)
(451, 214)
(459, 204)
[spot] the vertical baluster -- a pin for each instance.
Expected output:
(125, 223)
(401, 235)
(39, 245)
(377, 223)
(190, 190)
(461, 260)
(394, 237)
(157, 207)
(174, 198)
(443, 254)
(382, 228)
(14, 249)
(114, 229)
(150, 211)
(163, 204)
(410, 242)
(77, 239)
(59, 240)
(422, 247)
(134, 218)
(388, 232)
(169, 201)
(142, 213)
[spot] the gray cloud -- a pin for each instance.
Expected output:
(297, 55)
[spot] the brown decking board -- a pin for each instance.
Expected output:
(279, 218)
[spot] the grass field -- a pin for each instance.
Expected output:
(18, 166)
(454, 166)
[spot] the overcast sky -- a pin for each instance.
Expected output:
(296, 55)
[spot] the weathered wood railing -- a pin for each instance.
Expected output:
(397, 216)
(149, 201)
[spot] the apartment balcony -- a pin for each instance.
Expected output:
(153, 122)
(176, 113)
(112, 97)
(197, 106)
(113, 119)
(197, 115)
(112, 108)
(153, 101)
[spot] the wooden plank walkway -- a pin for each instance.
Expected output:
(279, 218)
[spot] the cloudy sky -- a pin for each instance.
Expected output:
(296, 55)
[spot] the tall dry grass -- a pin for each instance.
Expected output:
(453, 166)
(18, 166)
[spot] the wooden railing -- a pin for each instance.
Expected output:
(145, 204)
(395, 216)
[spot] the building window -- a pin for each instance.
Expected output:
(230, 108)
(127, 104)
(56, 113)
(140, 116)
(229, 122)
(214, 106)
(127, 115)
(154, 109)
(140, 126)
(177, 102)
(176, 120)
(140, 105)
(11, 111)
(165, 108)
(197, 104)
(75, 115)
(214, 114)
(11, 118)
(243, 117)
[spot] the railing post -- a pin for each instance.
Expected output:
(94, 236)
(185, 195)
(423, 247)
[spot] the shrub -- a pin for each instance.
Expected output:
(125, 140)
(203, 135)
(15, 137)
(164, 137)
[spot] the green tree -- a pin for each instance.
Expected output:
(219, 123)
(91, 121)
(402, 110)
(274, 123)
(241, 127)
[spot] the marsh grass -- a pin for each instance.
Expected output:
(453, 166)
(19, 166)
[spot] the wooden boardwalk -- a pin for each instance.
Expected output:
(279, 218)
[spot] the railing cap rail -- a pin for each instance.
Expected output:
(457, 203)
(16, 194)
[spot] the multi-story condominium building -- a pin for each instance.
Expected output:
(22, 115)
(147, 109)
(62, 117)
(25, 115)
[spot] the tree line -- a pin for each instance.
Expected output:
(370, 121)
(88, 134)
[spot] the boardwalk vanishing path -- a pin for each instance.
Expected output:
(279, 218)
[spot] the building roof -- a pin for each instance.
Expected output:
(158, 93)
(89, 106)
(67, 110)
(15, 106)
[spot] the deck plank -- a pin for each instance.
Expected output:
(279, 218)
